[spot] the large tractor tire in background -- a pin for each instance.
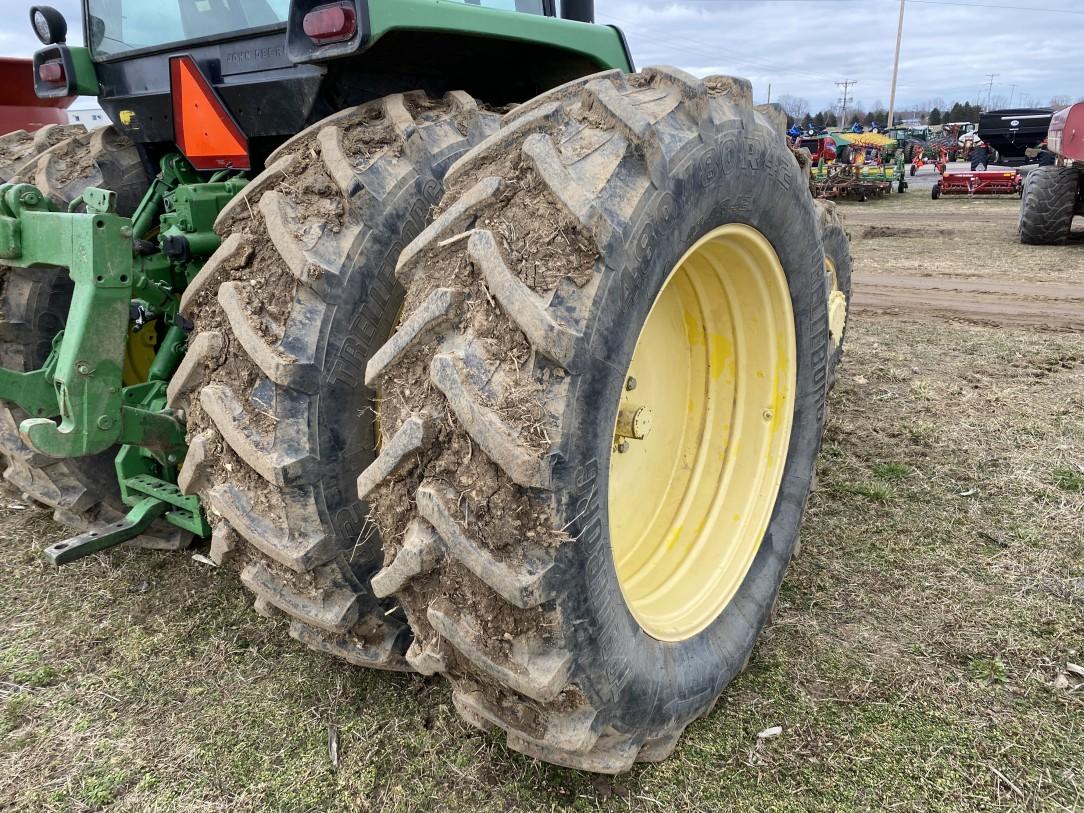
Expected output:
(1047, 205)
(34, 308)
(837, 270)
(19, 149)
(287, 312)
(600, 412)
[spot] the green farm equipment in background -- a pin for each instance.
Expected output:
(859, 182)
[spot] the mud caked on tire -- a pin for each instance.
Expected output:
(20, 149)
(61, 161)
(501, 490)
(1049, 199)
(837, 266)
(287, 312)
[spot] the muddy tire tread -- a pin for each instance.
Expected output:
(264, 481)
(525, 688)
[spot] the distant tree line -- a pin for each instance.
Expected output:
(958, 112)
(935, 112)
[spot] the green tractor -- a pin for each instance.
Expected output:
(471, 349)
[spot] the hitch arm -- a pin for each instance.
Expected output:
(107, 536)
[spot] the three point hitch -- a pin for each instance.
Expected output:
(84, 400)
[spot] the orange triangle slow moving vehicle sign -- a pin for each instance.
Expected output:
(202, 126)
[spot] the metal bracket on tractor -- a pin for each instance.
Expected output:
(123, 283)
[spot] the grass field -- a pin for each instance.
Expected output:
(923, 656)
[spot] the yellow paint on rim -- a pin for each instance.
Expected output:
(139, 353)
(837, 305)
(690, 502)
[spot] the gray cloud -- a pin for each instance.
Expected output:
(801, 47)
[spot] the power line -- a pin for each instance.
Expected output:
(845, 84)
(924, 2)
(990, 90)
(992, 5)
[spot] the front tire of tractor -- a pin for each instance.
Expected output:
(287, 312)
(34, 304)
(837, 267)
(618, 249)
(1048, 201)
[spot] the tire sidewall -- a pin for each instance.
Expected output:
(743, 174)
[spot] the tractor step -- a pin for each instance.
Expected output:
(107, 536)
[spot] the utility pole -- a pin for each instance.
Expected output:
(1012, 92)
(990, 89)
(845, 84)
(895, 67)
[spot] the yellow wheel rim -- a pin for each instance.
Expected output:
(837, 305)
(139, 353)
(702, 432)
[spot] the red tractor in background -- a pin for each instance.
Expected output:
(1053, 192)
(823, 145)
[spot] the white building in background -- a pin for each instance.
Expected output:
(89, 117)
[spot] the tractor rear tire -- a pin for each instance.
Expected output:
(501, 389)
(19, 149)
(1048, 202)
(287, 312)
(837, 265)
(34, 308)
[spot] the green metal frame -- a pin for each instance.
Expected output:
(120, 279)
(86, 76)
(601, 44)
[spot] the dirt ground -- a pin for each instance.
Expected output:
(927, 653)
(958, 258)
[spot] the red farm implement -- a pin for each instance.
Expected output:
(999, 182)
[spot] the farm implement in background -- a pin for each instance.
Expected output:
(990, 182)
(857, 182)
(1053, 193)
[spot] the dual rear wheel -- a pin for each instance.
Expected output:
(597, 419)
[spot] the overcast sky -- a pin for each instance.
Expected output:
(802, 47)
